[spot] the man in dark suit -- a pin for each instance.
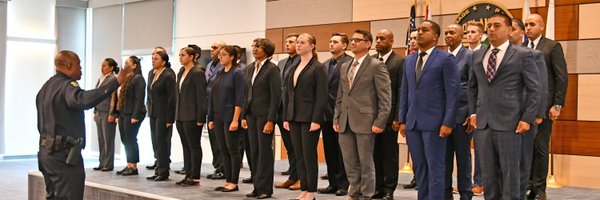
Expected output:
(336, 173)
(499, 78)
(428, 98)
(362, 108)
(386, 144)
(285, 66)
(212, 69)
(459, 141)
(557, 89)
(527, 145)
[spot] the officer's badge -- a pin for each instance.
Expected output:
(74, 84)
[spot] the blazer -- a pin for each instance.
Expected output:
(284, 81)
(264, 96)
(540, 63)
(229, 91)
(333, 79)
(306, 101)
(368, 101)
(556, 69)
(431, 101)
(395, 66)
(498, 104)
(162, 95)
(134, 101)
(192, 98)
(463, 59)
(109, 104)
(210, 77)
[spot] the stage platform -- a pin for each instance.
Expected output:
(109, 186)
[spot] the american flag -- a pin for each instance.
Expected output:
(412, 27)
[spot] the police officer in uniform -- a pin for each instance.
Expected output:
(60, 105)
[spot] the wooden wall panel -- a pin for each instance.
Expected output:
(587, 98)
(589, 25)
(307, 12)
(276, 36)
(566, 20)
(582, 56)
(574, 2)
(576, 138)
(569, 112)
(323, 32)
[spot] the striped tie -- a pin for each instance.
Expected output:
(491, 69)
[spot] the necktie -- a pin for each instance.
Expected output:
(256, 71)
(491, 69)
(420, 65)
(332, 66)
(351, 73)
(532, 45)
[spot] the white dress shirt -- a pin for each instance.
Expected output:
(499, 55)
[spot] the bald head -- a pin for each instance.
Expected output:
(453, 35)
(68, 63)
(384, 41)
(215, 48)
(534, 25)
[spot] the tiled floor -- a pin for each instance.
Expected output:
(13, 184)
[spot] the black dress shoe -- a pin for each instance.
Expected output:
(263, 196)
(151, 167)
(341, 192)
(97, 168)
(411, 185)
(286, 173)
(181, 181)
(216, 175)
(130, 172)
(106, 169)
(325, 177)
(540, 196)
(189, 182)
(121, 171)
(327, 190)
(247, 180)
(377, 195)
(236, 188)
(251, 194)
(161, 178)
(388, 196)
(151, 178)
(182, 171)
(220, 188)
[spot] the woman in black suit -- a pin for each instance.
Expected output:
(306, 98)
(263, 100)
(226, 101)
(161, 110)
(131, 114)
(190, 113)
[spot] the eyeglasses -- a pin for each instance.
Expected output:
(257, 46)
(357, 40)
(214, 47)
(223, 55)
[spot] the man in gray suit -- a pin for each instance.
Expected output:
(361, 110)
(500, 76)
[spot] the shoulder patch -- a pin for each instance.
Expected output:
(74, 84)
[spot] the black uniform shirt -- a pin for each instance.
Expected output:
(61, 102)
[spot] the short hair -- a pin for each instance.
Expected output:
(479, 25)
(267, 46)
(519, 23)
(436, 27)
(506, 18)
(344, 37)
(292, 35)
(112, 63)
(64, 57)
(196, 48)
(366, 34)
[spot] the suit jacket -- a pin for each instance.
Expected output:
(556, 68)
(109, 104)
(431, 102)
(134, 99)
(498, 104)
(395, 66)
(543, 86)
(211, 76)
(306, 101)
(229, 91)
(463, 59)
(368, 101)
(162, 95)
(192, 97)
(264, 96)
(333, 83)
(284, 82)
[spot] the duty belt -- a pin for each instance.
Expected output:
(60, 142)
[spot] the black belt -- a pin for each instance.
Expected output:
(60, 142)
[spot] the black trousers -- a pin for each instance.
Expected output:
(289, 146)
(527, 146)
(245, 146)
(459, 144)
(230, 150)
(539, 167)
(161, 142)
(305, 147)
(333, 157)
(217, 161)
(261, 148)
(62, 181)
(129, 134)
(190, 133)
(386, 158)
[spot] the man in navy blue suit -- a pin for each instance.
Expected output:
(428, 99)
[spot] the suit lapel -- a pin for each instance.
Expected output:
(541, 43)
(363, 66)
(510, 51)
(430, 60)
(479, 63)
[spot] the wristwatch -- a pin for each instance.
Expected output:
(558, 107)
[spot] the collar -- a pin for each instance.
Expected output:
(476, 48)
(455, 52)
(535, 42)
(361, 59)
(385, 56)
(502, 47)
(158, 71)
(428, 51)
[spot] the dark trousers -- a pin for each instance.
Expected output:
(217, 161)
(62, 181)
(477, 180)
(305, 147)
(287, 142)
(230, 150)
(428, 152)
(246, 147)
(106, 140)
(386, 159)
(501, 154)
(459, 144)
(539, 168)
(161, 142)
(190, 133)
(129, 134)
(261, 148)
(333, 157)
(527, 146)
